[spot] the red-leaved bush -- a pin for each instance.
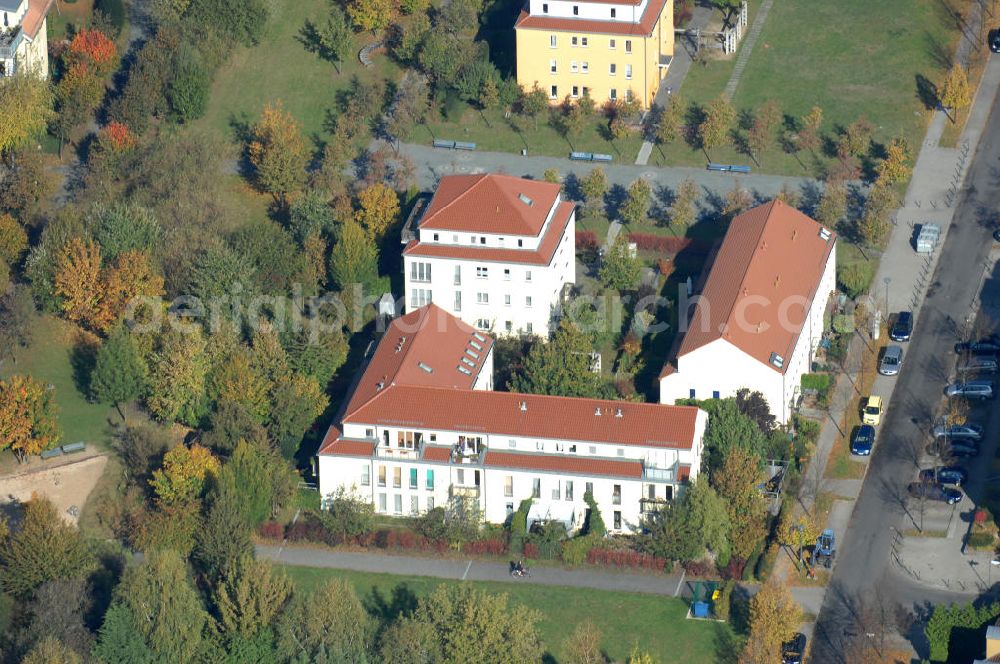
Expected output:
(530, 550)
(660, 243)
(626, 558)
(586, 241)
(699, 568)
(486, 547)
(272, 530)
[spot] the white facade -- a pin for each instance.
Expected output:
(20, 50)
(719, 369)
(595, 11)
(494, 292)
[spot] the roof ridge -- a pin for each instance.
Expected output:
(481, 177)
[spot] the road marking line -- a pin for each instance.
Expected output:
(678, 591)
(467, 568)
(285, 540)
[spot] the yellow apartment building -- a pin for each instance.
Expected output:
(609, 50)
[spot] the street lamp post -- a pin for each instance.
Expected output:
(886, 281)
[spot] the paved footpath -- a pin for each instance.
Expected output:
(434, 163)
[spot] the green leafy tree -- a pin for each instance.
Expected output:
(278, 151)
(354, 258)
(51, 650)
(318, 353)
(244, 22)
(28, 423)
(583, 646)
(164, 607)
(895, 166)
(177, 380)
(249, 598)
(224, 537)
(124, 227)
(184, 474)
(635, 208)
(119, 374)
(310, 215)
(595, 522)
(534, 102)
(682, 211)
(620, 269)
(594, 186)
(728, 427)
(856, 139)
(671, 120)
(736, 483)
(42, 548)
(696, 522)
(348, 516)
(296, 402)
(714, 129)
(832, 204)
(260, 481)
(551, 175)
(28, 102)
(328, 622)
(13, 240)
(188, 90)
(335, 38)
(560, 367)
(119, 639)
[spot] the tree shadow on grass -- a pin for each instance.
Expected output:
(614, 199)
(82, 359)
(927, 92)
(663, 198)
(402, 601)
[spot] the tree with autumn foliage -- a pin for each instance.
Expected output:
(714, 130)
(378, 207)
(278, 151)
(774, 619)
(89, 59)
(78, 280)
(955, 92)
(895, 166)
(13, 240)
(182, 477)
(177, 378)
(27, 102)
(372, 15)
(28, 422)
(809, 133)
(736, 483)
(130, 276)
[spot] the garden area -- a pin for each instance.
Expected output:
(623, 621)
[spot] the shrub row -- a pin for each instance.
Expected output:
(626, 558)
(660, 243)
(486, 547)
(586, 241)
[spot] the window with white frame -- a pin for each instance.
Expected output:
(556, 492)
(458, 275)
(612, 69)
(483, 324)
(611, 43)
(414, 504)
(527, 275)
(552, 38)
(482, 272)
(482, 298)
(616, 494)
(628, 45)
(573, 41)
(568, 493)
(614, 13)
(381, 502)
(508, 486)
(614, 94)
(506, 300)
(458, 301)
(366, 475)
(628, 95)
(584, 67)
(397, 504)
(527, 301)
(576, 91)
(628, 71)
(508, 326)
(506, 274)
(553, 66)
(583, 42)
(553, 92)
(529, 328)
(430, 503)
(576, 10)
(573, 68)
(536, 487)
(419, 297)
(420, 272)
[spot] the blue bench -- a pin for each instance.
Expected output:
(74, 447)
(48, 454)
(724, 168)
(739, 169)
(603, 158)
(464, 146)
(581, 156)
(729, 168)
(444, 144)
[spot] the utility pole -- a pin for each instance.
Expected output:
(887, 280)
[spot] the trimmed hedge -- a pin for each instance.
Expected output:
(626, 558)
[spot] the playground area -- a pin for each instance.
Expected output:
(67, 485)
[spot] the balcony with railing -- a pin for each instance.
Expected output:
(465, 492)
(468, 450)
(10, 41)
(406, 448)
(654, 474)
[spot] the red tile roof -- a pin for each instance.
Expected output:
(33, 18)
(643, 28)
(437, 453)
(541, 256)
(564, 464)
(490, 203)
(344, 447)
(559, 418)
(403, 355)
(762, 284)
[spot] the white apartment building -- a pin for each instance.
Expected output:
(424, 427)
(494, 250)
(23, 42)
(759, 319)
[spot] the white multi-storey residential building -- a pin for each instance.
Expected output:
(495, 250)
(759, 319)
(23, 43)
(424, 426)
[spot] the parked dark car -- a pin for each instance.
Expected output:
(932, 491)
(984, 364)
(863, 440)
(994, 41)
(792, 652)
(959, 431)
(958, 449)
(954, 475)
(988, 345)
(903, 327)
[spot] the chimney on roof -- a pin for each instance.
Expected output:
(618, 412)
(524, 406)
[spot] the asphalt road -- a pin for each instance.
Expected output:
(864, 576)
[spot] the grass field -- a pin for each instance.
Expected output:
(854, 59)
(656, 624)
(55, 358)
(280, 67)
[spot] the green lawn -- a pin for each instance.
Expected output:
(656, 623)
(280, 67)
(853, 58)
(53, 358)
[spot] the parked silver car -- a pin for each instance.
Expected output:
(972, 389)
(959, 431)
(892, 360)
